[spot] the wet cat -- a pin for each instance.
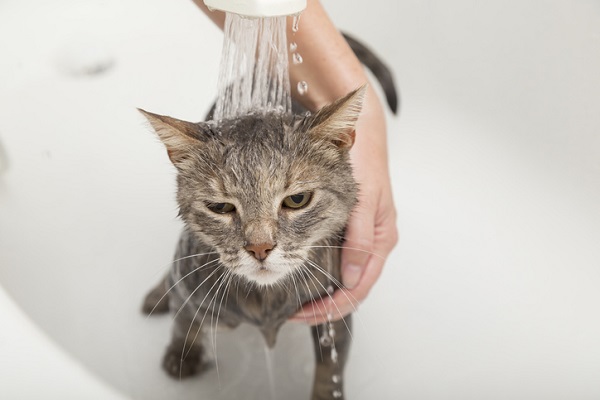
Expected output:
(265, 199)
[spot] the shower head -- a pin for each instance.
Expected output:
(258, 8)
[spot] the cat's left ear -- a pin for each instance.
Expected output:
(336, 122)
(177, 135)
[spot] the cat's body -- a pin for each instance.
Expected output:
(265, 199)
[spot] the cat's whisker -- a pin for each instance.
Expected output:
(293, 279)
(225, 297)
(176, 283)
(309, 279)
(345, 247)
(331, 298)
(226, 281)
(304, 269)
(185, 353)
(218, 282)
(192, 256)
(169, 265)
(284, 286)
(195, 290)
(219, 279)
(354, 301)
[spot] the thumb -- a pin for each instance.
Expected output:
(357, 247)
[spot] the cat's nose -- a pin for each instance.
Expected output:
(260, 251)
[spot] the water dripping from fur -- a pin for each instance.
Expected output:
(269, 359)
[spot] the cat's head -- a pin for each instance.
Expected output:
(263, 188)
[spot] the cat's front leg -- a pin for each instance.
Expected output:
(183, 356)
(157, 300)
(332, 345)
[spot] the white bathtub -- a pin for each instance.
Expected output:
(491, 294)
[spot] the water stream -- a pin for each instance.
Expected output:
(254, 67)
(269, 356)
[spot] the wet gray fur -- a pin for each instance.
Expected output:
(254, 162)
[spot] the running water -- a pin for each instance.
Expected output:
(327, 339)
(254, 67)
(269, 354)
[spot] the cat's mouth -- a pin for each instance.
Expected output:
(264, 275)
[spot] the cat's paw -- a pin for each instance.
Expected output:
(156, 302)
(179, 365)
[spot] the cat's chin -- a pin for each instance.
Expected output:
(265, 276)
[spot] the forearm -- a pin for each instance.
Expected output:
(329, 66)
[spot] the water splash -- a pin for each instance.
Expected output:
(254, 67)
(302, 87)
(295, 23)
(334, 355)
(325, 340)
(297, 59)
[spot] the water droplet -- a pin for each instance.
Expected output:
(302, 87)
(330, 289)
(325, 341)
(293, 46)
(337, 393)
(307, 114)
(331, 332)
(336, 378)
(329, 316)
(295, 23)
(297, 59)
(334, 355)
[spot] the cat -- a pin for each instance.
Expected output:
(265, 199)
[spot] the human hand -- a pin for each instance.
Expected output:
(371, 232)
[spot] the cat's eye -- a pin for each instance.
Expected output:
(297, 200)
(221, 208)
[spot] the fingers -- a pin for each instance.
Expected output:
(340, 304)
(343, 301)
(383, 237)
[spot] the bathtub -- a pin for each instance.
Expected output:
(492, 292)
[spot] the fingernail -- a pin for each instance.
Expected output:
(351, 274)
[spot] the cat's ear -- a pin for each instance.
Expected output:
(336, 122)
(176, 135)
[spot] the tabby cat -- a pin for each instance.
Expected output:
(265, 198)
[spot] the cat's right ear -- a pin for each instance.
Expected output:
(336, 122)
(177, 135)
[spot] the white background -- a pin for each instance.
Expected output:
(492, 293)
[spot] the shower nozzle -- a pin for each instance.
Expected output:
(258, 8)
